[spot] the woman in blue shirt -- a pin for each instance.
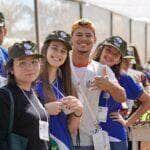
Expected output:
(55, 87)
(110, 52)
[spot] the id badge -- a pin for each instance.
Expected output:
(44, 130)
(102, 114)
(101, 140)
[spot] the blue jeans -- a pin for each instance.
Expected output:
(123, 145)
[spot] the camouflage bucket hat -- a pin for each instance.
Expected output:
(118, 43)
(59, 36)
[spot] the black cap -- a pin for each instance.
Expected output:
(117, 42)
(59, 36)
(25, 48)
(2, 20)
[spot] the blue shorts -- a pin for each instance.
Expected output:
(123, 145)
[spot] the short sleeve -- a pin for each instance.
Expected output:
(132, 88)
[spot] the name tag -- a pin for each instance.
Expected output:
(102, 114)
(101, 140)
(43, 130)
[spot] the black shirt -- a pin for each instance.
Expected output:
(26, 118)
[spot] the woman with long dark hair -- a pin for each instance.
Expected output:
(110, 52)
(56, 91)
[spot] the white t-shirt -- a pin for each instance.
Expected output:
(83, 76)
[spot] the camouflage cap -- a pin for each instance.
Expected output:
(59, 36)
(130, 55)
(25, 48)
(2, 20)
(117, 42)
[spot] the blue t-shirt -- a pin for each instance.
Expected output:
(3, 60)
(58, 124)
(133, 91)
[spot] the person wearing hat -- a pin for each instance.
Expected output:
(110, 52)
(128, 60)
(3, 51)
(23, 69)
(128, 64)
(56, 90)
(89, 79)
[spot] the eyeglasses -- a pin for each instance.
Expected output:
(23, 64)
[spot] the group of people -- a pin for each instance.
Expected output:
(65, 96)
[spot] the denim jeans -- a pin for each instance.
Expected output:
(123, 145)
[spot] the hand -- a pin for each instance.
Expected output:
(73, 104)
(117, 117)
(101, 82)
(53, 108)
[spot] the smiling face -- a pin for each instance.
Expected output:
(56, 54)
(26, 69)
(110, 56)
(83, 39)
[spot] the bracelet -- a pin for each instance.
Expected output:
(77, 115)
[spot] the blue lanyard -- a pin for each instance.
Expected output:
(58, 92)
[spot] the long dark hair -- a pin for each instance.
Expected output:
(97, 55)
(9, 67)
(65, 76)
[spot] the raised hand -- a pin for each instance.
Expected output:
(101, 82)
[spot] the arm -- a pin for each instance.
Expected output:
(116, 91)
(107, 82)
(145, 99)
(145, 105)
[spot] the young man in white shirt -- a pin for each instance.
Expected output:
(90, 78)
